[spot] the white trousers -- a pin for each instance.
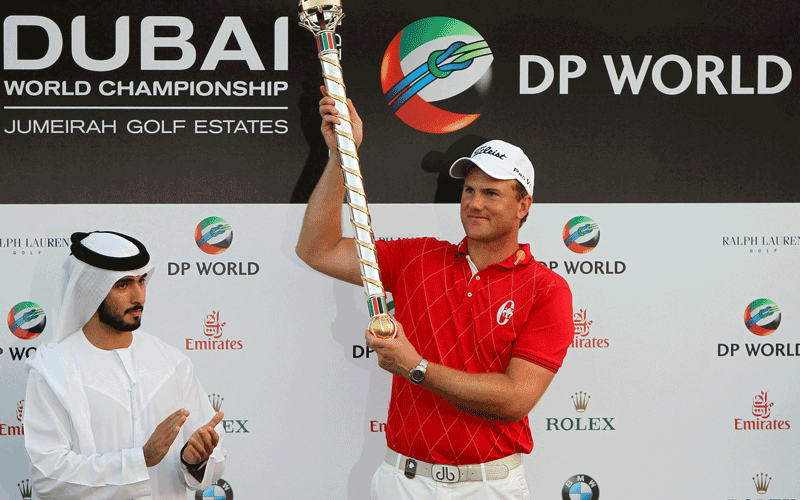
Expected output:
(390, 483)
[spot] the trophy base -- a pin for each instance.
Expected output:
(382, 326)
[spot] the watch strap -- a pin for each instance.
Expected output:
(191, 467)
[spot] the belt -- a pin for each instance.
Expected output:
(494, 470)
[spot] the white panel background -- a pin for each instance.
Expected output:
(309, 403)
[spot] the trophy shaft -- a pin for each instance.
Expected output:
(321, 18)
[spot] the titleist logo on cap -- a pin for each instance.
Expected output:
(487, 150)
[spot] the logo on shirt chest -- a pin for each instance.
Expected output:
(505, 312)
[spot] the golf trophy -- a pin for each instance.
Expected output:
(321, 18)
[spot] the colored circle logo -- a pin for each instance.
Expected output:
(436, 73)
(220, 490)
(213, 235)
(581, 234)
(580, 487)
(762, 317)
(26, 320)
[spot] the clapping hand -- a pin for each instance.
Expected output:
(202, 442)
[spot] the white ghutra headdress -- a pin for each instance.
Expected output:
(98, 260)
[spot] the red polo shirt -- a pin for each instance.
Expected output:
(517, 307)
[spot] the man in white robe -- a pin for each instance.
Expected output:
(112, 412)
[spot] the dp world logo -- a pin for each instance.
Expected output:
(762, 317)
(581, 234)
(213, 235)
(435, 74)
(26, 320)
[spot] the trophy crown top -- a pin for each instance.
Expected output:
(320, 15)
(315, 4)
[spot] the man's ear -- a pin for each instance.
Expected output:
(524, 206)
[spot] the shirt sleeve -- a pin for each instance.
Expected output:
(57, 471)
(549, 330)
(200, 413)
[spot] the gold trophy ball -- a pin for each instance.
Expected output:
(382, 326)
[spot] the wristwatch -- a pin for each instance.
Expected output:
(417, 375)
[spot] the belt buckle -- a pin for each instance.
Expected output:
(411, 468)
(445, 473)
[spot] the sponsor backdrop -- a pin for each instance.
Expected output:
(666, 153)
(664, 378)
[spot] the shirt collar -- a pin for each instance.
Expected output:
(461, 249)
(520, 257)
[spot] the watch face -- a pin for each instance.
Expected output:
(417, 376)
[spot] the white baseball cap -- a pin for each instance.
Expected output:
(500, 160)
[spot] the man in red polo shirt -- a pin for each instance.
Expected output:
(482, 329)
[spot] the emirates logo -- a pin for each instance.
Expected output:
(761, 407)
